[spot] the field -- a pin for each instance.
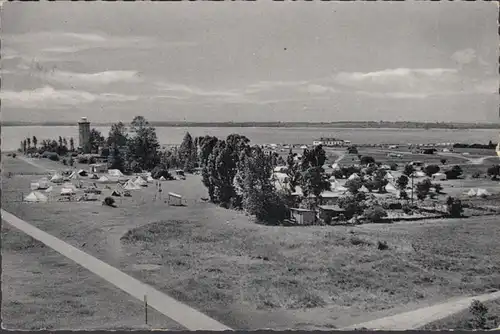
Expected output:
(250, 276)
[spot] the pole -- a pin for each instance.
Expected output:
(411, 189)
(146, 309)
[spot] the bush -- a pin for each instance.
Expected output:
(494, 171)
(14, 155)
(479, 312)
(109, 201)
(394, 166)
(365, 160)
(407, 209)
(375, 214)
(382, 245)
(431, 169)
(64, 162)
(454, 207)
(54, 157)
(82, 159)
(353, 185)
(158, 172)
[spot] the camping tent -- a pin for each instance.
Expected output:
(116, 193)
(67, 191)
(36, 196)
(389, 176)
(363, 189)
(332, 179)
(69, 186)
(81, 172)
(57, 178)
(43, 183)
(439, 176)
(163, 179)
(482, 192)
(336, 166)
(471, 193)
(140, 182)
(49, 189)
(130, 185)
(104, 179)
(353, 176)
(115, 172)
(93, 176)
(390, 188)
(419, 174)
(149, 179)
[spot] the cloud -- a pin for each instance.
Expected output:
(48, 97)
(185, 91)
(100, 78)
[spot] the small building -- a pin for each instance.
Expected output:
(174, 199)
(303, 216)
(327, 212)
(98, 168)
(439, 176)
(329, 142)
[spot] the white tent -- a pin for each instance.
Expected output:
(472, 193)
(36, 196)
(340, 188)
(49, 189)
(439, 176)
(69, 186)
(57, 178)
(104, 179)
(336, 166)
(419, 174)
(280, 169)
(150, 179)
(390, 188)
(67, 191)
(363, 189)
(129, 185)
(482, 192)
(140, 182)
(353, 176)
(389, 176)
(115, 172)
(163, 179)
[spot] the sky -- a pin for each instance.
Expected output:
(250, 61)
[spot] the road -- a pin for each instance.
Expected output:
(421, 317)
(175, 310)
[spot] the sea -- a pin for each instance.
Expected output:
(12, 135)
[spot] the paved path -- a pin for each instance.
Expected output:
(421, 317)
(175, 310)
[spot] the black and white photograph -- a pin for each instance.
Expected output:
(245, 165)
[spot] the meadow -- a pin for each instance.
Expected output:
(250, 276)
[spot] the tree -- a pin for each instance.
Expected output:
(293, 172)
(408, 170)
(352, 150)
(394, 166)
(375, 214)
(95, 140)
(28, 141)
(65, 142)
(24, 143)
(117, 159)
(454, 207)
(402, 182)
(187, 153)
(479, 312)
(494, 172)
(35, 141)
(117, 135)
(437, 187)
(379, 180)
(423, 188)
(72, 144)
(353, 185)
(454, 173)
(60, 141)
(430, 170)
(366, 160)
(313, 179)
(352, 205)
(143, 146)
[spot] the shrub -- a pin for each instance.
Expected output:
(64, 162)
(83, 159)
(375, 214)
(423, 189)
(353, 185)
(479, 313)
(454, 207)
(407, 209)
(109, 201)
(158, 172)
(365, 160)
(54, 157)
(382, 245)
(494, 171)
(431, 169)
(437, 187)
(394, 166)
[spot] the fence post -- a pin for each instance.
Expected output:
(146, 309)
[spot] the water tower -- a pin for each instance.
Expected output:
(84, 134)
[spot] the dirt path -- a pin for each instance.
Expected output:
(179, 312)
(418, 318)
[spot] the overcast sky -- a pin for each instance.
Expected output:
(259, 61)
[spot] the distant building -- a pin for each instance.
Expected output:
(84, 134)
(303, 216)
(329, 142)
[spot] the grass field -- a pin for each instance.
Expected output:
(250, 276)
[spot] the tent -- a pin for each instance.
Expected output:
(140, 182)
(93, 176)
(115, 172)
(332, 179)
(482, 192)
(69, 186)
(353, 176)
(419, 174)
(471, 193)
(336, 166)
(104, 179)
(67, 191)
(149, 179)
(439, 176)
(49, 189)
(81, 172)
(130, 185)
(390, 188)
(163, 179)
(389, 176)
(363, 189)
(36, 196)
(57, 178)
(116, 193)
